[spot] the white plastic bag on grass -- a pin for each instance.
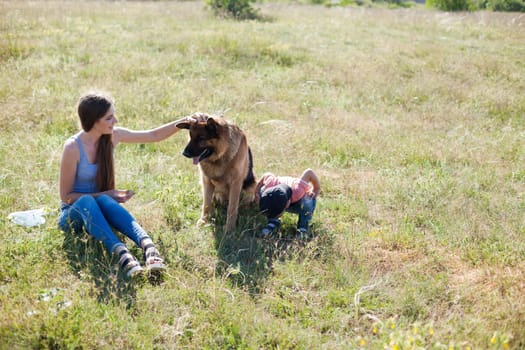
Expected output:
(28, 218)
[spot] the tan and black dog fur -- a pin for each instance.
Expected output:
(221, 150)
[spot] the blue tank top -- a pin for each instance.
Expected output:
(85, 179)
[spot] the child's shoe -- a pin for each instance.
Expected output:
(271, 227)
(303, 234)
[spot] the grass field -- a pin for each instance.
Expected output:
(414, 120)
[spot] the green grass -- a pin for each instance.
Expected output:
(414, 120)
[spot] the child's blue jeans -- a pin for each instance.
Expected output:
(305, 208)
(98, 216)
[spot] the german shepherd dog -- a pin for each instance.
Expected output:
(221, 150)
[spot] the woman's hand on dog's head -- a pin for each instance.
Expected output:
(199, 116)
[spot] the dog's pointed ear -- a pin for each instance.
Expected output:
(183, 125)
(211, 126)
(211, 122)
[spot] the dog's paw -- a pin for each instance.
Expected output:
(202, 221)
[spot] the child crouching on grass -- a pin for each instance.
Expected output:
(277, 194)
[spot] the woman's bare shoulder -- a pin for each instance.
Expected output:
(71, 148)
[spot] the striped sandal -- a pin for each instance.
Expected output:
(129, 265)
(152, 259)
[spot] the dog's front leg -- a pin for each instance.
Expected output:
(233, 205)
(207, 193)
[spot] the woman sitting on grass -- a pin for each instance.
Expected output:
(87, 182)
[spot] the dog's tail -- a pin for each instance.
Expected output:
(249, 180)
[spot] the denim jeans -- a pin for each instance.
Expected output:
(98, 216)
(305, 208)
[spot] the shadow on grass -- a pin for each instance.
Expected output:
(89, 260)
(248, 260)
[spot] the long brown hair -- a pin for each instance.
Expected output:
(91, 107)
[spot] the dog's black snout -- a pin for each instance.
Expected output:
(187, 154)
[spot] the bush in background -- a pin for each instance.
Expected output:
(507, 5)
(444, 5)
(238, 9)
(366, 3)
(452, 5)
